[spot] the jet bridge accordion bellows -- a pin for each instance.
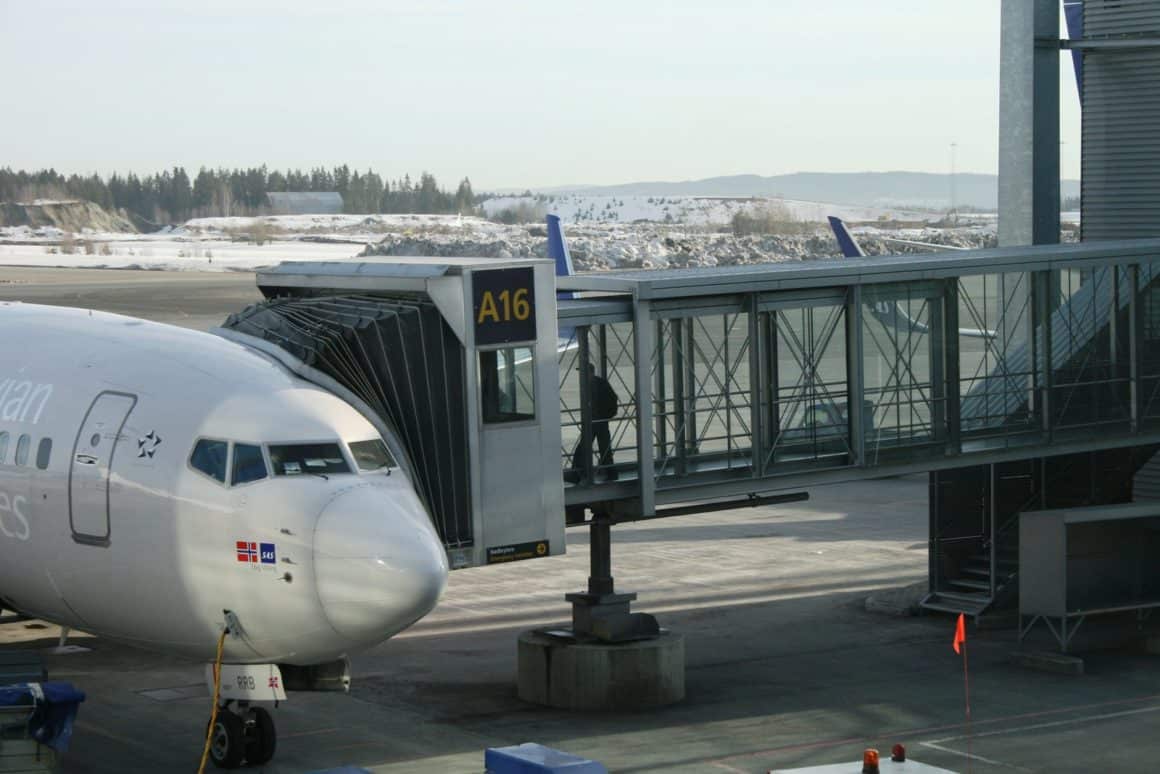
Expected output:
(400, 358)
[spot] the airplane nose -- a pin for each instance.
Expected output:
(379, 565)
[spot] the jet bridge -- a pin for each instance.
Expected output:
(454, 361)
(743, 379)
(1022, 377)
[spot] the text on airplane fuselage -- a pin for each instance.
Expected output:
(13, 521)
(23, 400)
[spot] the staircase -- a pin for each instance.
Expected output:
(970, 591)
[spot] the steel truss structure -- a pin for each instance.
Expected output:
(744, 379)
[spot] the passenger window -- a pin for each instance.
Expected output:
(210, 458)
(507, 384)
(44, 453)
(249, 465)
(3, 447)
(22, 449)
(372, 455)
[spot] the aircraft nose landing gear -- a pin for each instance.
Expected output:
(243, 737)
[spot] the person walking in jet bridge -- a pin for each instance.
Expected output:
(604, 403)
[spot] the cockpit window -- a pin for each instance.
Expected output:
(372, 455)
(299, 458)
(249, 465)
(210, 458)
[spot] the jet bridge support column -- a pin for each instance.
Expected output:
(600, 613)
(611, 658)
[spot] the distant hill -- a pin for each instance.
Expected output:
(877, 189)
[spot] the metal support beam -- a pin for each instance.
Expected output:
(951, 364)
(660, 395)
(937, 342)
(773, 375)
(600, 579)
(691, 387)
(993, 528)
(586, 470)
(642, 335)
(756, 385)
(1029, 123)
(1044, 290)
(855, 384)
(1134, 339)
(680, 409)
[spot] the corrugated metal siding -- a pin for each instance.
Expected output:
(1121, 124)
(1120, 17)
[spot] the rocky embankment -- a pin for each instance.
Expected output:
(68, 216)
(596, 248)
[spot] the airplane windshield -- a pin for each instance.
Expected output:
(306, 458)
(372, 455)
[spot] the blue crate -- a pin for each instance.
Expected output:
(531, 758)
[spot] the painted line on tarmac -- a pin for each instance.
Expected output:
(1053, 724)
(972, 756)
(311, 732)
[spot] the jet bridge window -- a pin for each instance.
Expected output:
(210, 457)
(507, 384)
(299, 458)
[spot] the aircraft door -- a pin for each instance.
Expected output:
(92, 459)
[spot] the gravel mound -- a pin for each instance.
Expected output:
(644, 246)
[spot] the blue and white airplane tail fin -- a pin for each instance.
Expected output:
(849, 245)
(558, 252)
(891, 314)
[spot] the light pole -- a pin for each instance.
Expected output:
(954, 213)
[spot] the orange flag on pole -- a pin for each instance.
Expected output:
(960, 633)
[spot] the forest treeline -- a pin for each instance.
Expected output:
(172, 196)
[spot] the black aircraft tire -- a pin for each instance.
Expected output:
(263, 742)
(228, 748)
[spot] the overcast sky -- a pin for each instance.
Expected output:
(536, 93)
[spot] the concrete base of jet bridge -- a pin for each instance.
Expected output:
(560, 672)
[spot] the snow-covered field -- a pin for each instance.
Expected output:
(153, 253)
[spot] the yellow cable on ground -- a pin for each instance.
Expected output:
(217, 686)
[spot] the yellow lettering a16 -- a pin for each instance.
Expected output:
(487, 308)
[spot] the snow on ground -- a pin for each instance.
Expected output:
(208, 255)
(232, 244)
(692, 210)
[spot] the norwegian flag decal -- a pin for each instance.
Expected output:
(247, 552)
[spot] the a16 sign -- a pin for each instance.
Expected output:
(504, 305)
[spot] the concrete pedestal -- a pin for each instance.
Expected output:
(557, 672)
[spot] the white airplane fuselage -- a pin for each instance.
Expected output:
(109, 522)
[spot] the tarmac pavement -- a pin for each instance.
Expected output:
(786, 667)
